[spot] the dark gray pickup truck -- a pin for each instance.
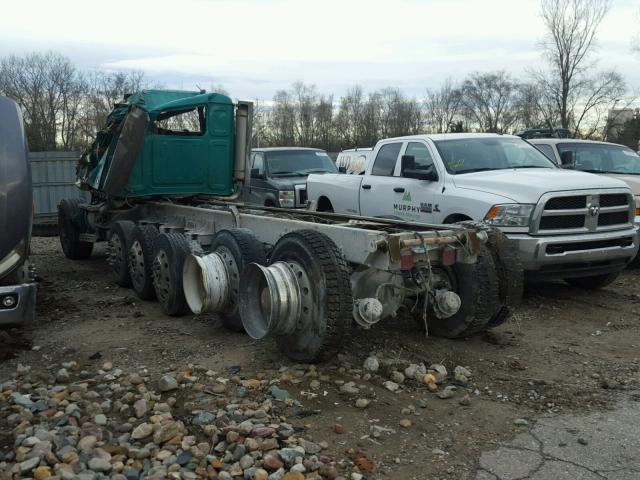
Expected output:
(17, 289)
(279, 175)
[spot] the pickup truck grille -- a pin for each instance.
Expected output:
(591, 212)
(567, 221)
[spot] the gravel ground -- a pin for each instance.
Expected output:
(81, 385)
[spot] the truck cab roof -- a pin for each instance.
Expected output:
(161, 100)
(447, 136)
(284, 149)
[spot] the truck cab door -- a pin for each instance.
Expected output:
(258, 190)
(386, 192)
(379, 190)
(418, 199)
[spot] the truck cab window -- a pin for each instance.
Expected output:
(385, 162)
(421, 154)
(547, 150)
(182, 122)
(258, 163)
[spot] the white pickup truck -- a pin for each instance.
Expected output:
(566, 224)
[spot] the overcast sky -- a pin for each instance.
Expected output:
(255, 47)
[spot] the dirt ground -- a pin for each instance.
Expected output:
(565, 351)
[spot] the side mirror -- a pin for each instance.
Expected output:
(342, 169)
(255, 173)
(567, 160)
(408, 169)
(407, 162)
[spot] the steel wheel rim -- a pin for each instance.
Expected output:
(116, 259)
(161, 276)
(136, 265)
(307, 303)
(233, 273)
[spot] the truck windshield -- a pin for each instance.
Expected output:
(470, 155)
(290, 163)
(602, 158)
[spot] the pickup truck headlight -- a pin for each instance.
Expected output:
(287, 198)
(509, 215)
(637, 206)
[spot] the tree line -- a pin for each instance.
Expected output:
(64, 107)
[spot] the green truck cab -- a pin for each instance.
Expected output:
(163, 143)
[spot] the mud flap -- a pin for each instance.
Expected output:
(126, 152)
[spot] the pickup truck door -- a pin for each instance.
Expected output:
(259, 187)
(394, 196)
(379, 189)
(418, 200)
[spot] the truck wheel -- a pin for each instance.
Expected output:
(635, 263)
(477, 286)
(119, 243)
(509, 268)
(141, 260)
(326, 302)
(593, 282)
(69, 232)
(169, 252)
(238, 248)
(510, 275)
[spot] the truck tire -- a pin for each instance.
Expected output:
(635, 263)
(593, 282)
(506, 259)
(141, 261)
(169, 252)
(119, 243)
(477, 286)
(238, 248)
(72, 246)
(510, 275)
(320, 330)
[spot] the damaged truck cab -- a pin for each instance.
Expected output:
(163, 142)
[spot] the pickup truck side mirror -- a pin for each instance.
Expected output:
(408, 169)
(567, 160)
(342, 169)
(255, 173)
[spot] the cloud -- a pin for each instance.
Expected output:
(255, 47)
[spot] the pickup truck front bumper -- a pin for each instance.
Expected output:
(566, 256)
(24, 304)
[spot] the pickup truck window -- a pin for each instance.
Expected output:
(296, 163)
(385, 162)
(258, 162)
(547, 150)
(468, 155)
(603, 158)
(421, 154)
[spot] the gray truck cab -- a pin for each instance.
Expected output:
(279, 175)
(17, 289)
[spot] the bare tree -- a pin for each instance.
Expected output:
(535, 108)
(104, 89)
(571, 32)
(489, 100)
(46, 86)
(282, 128)
(443, 106)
